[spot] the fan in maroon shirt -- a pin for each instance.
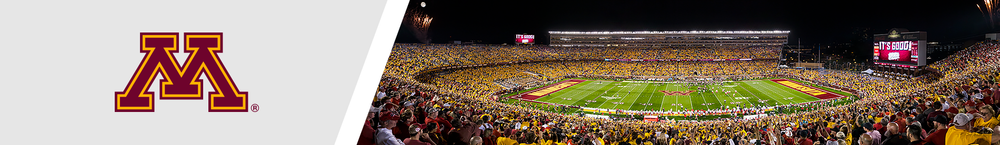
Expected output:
(937, 137)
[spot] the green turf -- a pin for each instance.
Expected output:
(646, 96)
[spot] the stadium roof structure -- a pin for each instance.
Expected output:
(666, 38)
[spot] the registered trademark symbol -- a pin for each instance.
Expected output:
(254, 107)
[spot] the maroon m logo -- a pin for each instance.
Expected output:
(677, 93)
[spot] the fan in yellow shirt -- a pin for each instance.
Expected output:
(987, 111)
(506, 141)
(963, 136)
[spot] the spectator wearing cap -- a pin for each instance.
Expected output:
(367, 132)
(901, 119)
(880, 126)
(970, 107)
(384, 135)
(962, 132)
(433, 116)
(876, 137)
(415, 135)
(931, 113)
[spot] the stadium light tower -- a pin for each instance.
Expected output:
(419, 23)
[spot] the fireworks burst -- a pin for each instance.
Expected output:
(989, 9)
(420, 24)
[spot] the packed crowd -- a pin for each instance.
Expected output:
(960, 108)
(969, 58)
(407, 59)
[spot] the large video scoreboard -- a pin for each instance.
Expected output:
(524, 39)
(900, 48)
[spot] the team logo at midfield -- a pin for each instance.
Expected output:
(677, 93)
(181, 82)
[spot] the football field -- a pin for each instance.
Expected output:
(667, 96)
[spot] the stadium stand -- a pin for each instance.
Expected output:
(460, 107)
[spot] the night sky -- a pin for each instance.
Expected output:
(496, 22)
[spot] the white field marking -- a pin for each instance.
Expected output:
(615, 95)
(751, 93)
(711, 90)
(639, 96)
(770, 93)
(589, 87)
(769, 86)
(795, 97)
(651, 98)
(625, 96)
(606, 100)
(740, 94)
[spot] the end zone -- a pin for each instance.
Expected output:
(808, 90)
(538, 93)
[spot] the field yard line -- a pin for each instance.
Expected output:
(741, 95)
(596, 91)
(626, 95)
(703, 100)
(606, 100)
(690, 103)
(553, 95)
(663, 101)
(751, 93)
(691, 99)
(616, 93)
(633, 100)
(651, 98)
(645, 86)
(797, 97)
(716, 96)
(577, 93)
(589, 86)
(793, 94)
(820, 88)
(771, 93)
(676, 99)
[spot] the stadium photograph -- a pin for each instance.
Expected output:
(689, 73)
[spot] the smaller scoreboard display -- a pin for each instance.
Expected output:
(524, 39)
(900, 48)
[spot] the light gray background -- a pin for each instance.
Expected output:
(62, 61)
